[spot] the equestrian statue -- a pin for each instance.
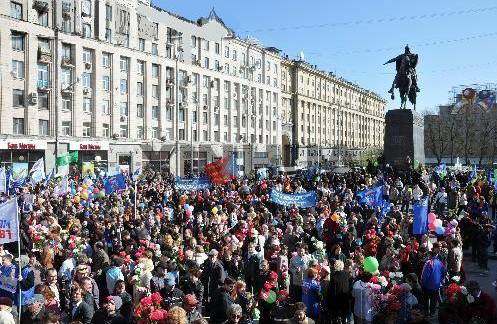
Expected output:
(406, 79)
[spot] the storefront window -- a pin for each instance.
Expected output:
(156, 160)
(7, 157)
(199, 162)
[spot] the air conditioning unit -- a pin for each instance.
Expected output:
(86, 91)
(115, 136)
(34, 98)
(123, 119)
(216, 109)
(212, 84)
(88, 66)
(205, 107)
(188, 79)
(219, 68)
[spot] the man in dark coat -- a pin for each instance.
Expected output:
(339, 293)
(213, 274)
(483, 307)
(222, 301)
(108, 314)
(80, 311)
(34, 310)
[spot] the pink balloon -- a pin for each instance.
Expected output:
(188, 212)
(431, 227)
(437, 223)
(431, 217)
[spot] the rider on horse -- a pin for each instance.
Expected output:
(405, 63)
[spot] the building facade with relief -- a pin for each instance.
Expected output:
(129, 84)
(327, 119)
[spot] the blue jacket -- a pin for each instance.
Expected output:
(433, 274)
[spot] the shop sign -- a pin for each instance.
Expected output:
(22, 144)
(89, 146)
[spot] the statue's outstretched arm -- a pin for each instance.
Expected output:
(391, 61)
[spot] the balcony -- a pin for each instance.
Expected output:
(41, 6)
(44, 55)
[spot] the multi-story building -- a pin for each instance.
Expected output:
(327, 119)
(128, 84)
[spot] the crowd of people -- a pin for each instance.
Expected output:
(153, 254)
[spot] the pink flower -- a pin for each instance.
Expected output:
(156, 298)
(146, 301)
(158, 315)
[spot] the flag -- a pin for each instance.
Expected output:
(9, 224)
(472, 175)
(371, 197)
(114, 183)
(220, 171)
(420, 219)
(262, 173)
(441, 170)
(3, 180)
(62, 188)
(38, 171)
(49, 177)
(136, 173)
(87, 168)
(67, 158)
(385, 208)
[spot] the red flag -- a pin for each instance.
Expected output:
(218, 171)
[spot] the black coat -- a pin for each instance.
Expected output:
(101, 317)
(340, 293)
(213, 276)
(83, 313)
(220, 303)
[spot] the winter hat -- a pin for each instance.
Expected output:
(116, 300)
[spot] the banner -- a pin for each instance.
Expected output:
(301, 200)
(420, 221)
(114, 183)
(67, 158)
(62, 188)
(371, 197)
(8, 222)
(38, 171)
(19, 170)
(262, 173)
(8, 283)
(192, 184)
(87, 168)
(3, 180)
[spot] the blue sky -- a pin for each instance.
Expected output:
(357, 51)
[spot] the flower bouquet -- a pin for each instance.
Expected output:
(455, 298)
(149, 310)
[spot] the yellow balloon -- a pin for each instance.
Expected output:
(84, 195)
(214, 210)
(85, 186)
(335, 217)
(77, 199)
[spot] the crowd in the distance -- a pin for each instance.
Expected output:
(230, 255)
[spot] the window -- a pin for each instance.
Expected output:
(43, 127)
(108, 12)
(216, 119)
(123, 109)
(123, 64)
(226, 52)
(234, 55)
(87, 105)
(108, 35)
(17, 41)
(195, 135)
(87, 56)
(123, 131)
(141, 44)
(139, 132)
(155, 132)
(216, 65)
(181, 134)
(155, 49)
(225, 119)
(155, 70)
(141, 67)
(181, 115)
(42, 100)
(66, 128)
(124, 86)
(204, 135)
(105, 60)
(18, 69)
(106, 82)
(105, 130)
(204, 117)
(216, 136)
(43, 18)
(206, 44)
(42, 76)
(86, 79)
(86, 31)
(206, 62)
(169, 114)
(105, 106)
(139, 110)
(217, 48)
(86, 129)
(139, 89)
(18, 98)
(18, 126)
(66, 76)
(194, 41)
(66, 103)
(155, 112)
(15, 10)
(155, 91)
(194, 117)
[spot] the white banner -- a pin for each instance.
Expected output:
(9, 226)
(3, 180)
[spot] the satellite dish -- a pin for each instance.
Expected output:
(302, 56)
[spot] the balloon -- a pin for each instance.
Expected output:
(77, 199)
(438, 223)
(370, 264)
(85, 186)
(188, 212)
(101, 194)
(95, 190)
(431, 217)
(440, 230)
(192, 208)
(335, 217)
(214, 210)
(84, 195)
(431, 227)
(186, 206)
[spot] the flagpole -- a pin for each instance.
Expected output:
(135, 199)
(19, 259)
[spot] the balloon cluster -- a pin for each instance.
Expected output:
(435, 224)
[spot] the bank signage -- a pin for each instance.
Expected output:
(89, 146)
(22, 144)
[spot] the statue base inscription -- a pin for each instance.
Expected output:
(404, 138)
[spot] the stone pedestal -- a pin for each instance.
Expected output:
(404, 137)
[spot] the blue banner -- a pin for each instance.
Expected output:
(192, 184)
(420, 221)
(371, 197)
(301, 200)
(114, 183)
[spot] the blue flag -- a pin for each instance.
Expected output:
(371, 197)
(114, 183)
(385, 208)
(49, 177)
(192, 184)
(472, 175)
(301, 200)
(420, 221)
